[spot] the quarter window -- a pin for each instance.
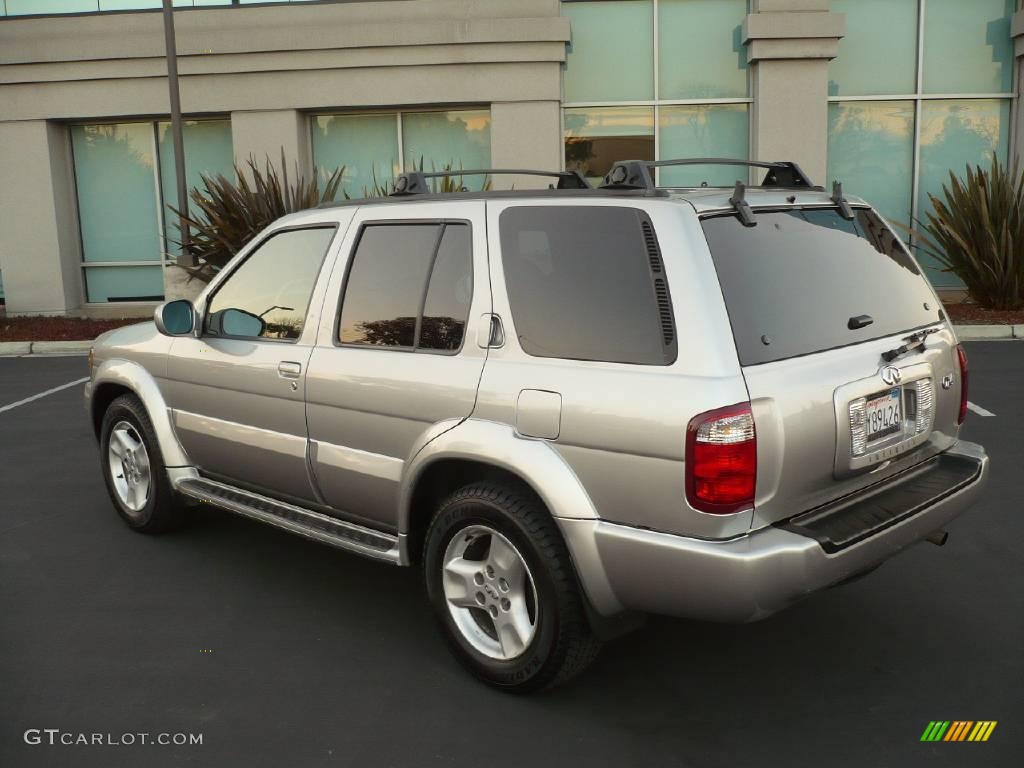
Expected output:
(268, 295)
(587, 283)
(409, 287)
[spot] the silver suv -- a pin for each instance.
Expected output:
(569, 407)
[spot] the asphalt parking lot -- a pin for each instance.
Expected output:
(282, 652)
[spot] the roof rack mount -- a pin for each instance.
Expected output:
(415, 182)
(636, 174)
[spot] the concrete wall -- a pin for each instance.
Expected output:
(268, 68)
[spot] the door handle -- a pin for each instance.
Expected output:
(289, 370)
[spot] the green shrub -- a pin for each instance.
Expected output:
(977, 233)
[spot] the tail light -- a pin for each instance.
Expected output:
(721, 460)
(961, 357)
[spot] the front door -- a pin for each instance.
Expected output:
(401, 356)
(236, 391)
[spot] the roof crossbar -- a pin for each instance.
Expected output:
(636, 174)
(837, 197)
(415, 182)
(739, 202)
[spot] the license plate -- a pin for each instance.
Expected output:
(882, 414)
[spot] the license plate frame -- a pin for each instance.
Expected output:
(883, 414)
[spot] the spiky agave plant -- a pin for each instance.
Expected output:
(227, 214)
(976, 231)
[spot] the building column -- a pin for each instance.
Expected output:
(789, 45)
(1017, 139)
(40, 250)
(526, 134)
(264, 134)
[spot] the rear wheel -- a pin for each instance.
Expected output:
(133, 468)
(503, 589)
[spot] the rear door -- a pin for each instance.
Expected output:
(815, 301)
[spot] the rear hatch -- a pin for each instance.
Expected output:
(816, 303)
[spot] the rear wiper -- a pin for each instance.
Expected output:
(913, 342)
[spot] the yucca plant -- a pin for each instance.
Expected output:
(228, 213)
(976, 232)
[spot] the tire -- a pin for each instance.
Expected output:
(154, 508)
(465, 559)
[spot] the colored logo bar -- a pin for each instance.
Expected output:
(958, 730)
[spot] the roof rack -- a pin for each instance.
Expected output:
(837, 197)
(636, 174)
(415, 182)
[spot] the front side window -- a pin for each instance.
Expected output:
(268, 295)
(587, 283)
(409, 287)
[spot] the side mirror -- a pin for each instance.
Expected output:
(175, 318)
(238, 322)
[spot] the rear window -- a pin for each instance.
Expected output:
(793, 282)
(587, 283)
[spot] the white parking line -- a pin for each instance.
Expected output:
(43, 394)
(978, 409)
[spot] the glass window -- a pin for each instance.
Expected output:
(268, 294)
(208, 150)
(433, 141)
(366, 145)
(26, 7)
(385, 284)
(596, 138)
(450, 292)
(797, 265)
(968, 48)
(871, 150)
(124, 283)
(874, 57)
(610, 56)
(703, 130)
(580, 284)
(953, 134)
(700, 48)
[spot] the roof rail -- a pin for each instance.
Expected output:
(636, 174)
(739, 202)
(415, 182)
(837, 197)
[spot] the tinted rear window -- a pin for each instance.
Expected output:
(587, 283)
(793, 282)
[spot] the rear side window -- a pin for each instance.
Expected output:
(587, 283)
(409, 287)
(793, 283)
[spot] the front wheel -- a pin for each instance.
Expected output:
(503, 589)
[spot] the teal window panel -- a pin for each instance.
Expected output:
(597, 137)
(27, 7)
(703, 130)
(208, 150)
(116, 186)
(871, 151)
(700, 49)
(967, 46)
(876, 57)
(955, 133)
(2, 296)
(611, 55)
(366, 145)
(103, 284)
(133, 5)
(458, 139)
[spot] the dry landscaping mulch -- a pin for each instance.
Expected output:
(972, 314)
(57, 328)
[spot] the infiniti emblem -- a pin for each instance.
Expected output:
(891, 375)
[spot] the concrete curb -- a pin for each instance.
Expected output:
(988, 332)
(9, 348)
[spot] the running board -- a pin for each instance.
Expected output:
(304, 522)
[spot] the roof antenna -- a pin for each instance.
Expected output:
(837, 197)
(739, 202)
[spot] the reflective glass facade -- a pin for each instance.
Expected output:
(124, 178)
(678, 88)
(34, 7)
(922, 94)
(374, 148)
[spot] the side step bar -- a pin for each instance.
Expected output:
(304, 522)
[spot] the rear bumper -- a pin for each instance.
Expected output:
(750, 577)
